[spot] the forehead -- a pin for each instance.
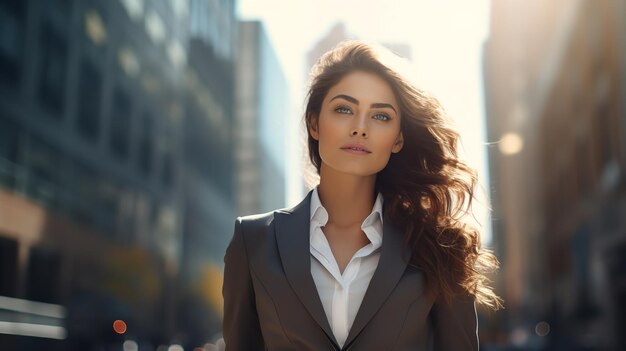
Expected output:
(364, 86)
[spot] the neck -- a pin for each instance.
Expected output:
(347, 198)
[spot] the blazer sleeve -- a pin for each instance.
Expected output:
(455, 324)
(240, 325)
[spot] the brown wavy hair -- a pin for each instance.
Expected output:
(426, 187)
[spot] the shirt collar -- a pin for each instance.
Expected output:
(319, 216)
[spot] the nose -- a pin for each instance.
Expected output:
(357, 132)
(360, 127)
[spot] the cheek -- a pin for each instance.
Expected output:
(328, 133)
(390, 138)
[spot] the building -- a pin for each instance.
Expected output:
(555, 82)
(115, 169)
(339, 33)
(262, 102)
(208, 168)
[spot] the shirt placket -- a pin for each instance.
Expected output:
(341, 300)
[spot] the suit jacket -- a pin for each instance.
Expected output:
(271, 302)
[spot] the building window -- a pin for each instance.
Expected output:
(9, 146)
(52, 69)
(43, 276)
(83, 193)
(96, 198)
(168, 169)
(89, 92)
(120, 124)
(106, 205)
(11, 41)
(167, 148)
(9, 133)
(45, 166)
(146, 143)
(8, 267)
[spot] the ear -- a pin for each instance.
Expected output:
(313, 128)
(397, 146)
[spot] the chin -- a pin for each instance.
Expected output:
(361, 168)
(358, 171)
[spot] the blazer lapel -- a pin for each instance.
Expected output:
(292, 236)
(391, 266)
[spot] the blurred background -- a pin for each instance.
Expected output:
(134, 132)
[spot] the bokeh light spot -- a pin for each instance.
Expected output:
(511, 144)
(130, 345)
(542, 328)
(119, 326)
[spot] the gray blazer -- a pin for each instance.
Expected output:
(271, 302)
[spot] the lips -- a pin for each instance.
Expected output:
(356, 147)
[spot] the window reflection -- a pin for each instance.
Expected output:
(120, 124)
(11, 42)
(89, 91)
(146, 143)
(52, 69)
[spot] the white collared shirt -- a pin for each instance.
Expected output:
(342, 294)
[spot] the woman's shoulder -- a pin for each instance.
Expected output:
(267, 218)
(258, 219)
(256, 228)
(263, 219)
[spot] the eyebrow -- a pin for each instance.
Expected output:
(356, 102)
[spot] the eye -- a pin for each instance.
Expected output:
(382, 117)
(343, 110)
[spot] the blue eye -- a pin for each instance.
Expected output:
(343, 110)
(382, 117)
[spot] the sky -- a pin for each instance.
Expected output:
(445, 36)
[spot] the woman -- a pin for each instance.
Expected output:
(375, 257)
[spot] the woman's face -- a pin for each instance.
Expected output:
(359, 125)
